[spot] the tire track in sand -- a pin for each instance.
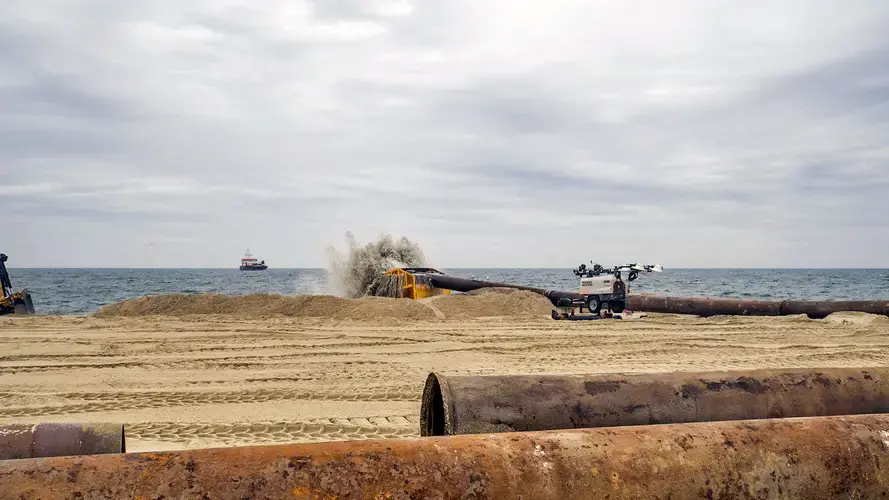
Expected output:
(270, 432)
(92, 402)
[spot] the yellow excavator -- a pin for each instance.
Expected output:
(13, 302)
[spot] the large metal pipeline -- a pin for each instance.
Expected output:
(703, 306)
(712, 307)
(812, 458)
(509, 403)
(468, 285)
(60, 439)
(688, 305)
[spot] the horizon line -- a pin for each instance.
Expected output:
(49, 268)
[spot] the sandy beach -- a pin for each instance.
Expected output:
(334, 369)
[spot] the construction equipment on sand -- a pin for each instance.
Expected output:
(600, 287)
(470, 404)
(416, 282)
(12, 302)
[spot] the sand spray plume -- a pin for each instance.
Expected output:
(360, 272)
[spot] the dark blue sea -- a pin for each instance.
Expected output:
(82, 291)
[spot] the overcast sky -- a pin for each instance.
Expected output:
(494, 133)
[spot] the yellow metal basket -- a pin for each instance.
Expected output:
(414, 284)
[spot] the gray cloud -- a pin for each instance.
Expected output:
(691, 134)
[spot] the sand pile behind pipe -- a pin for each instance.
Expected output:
(308, 306)
(481, 303)
(492, 302)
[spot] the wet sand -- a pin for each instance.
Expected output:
(219, 380)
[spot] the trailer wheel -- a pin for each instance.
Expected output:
(618, 306)
(593, 305)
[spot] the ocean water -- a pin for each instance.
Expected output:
(83, 291)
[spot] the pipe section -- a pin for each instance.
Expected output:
(688, 305)
(713, 307)
(817, 310)
(468, 285)
(703, 306)
(60, 439)
(510, 403)
(814, 458)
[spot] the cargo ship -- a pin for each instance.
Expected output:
(249, 263)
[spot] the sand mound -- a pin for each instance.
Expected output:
(309, 306)
(508, 302)
(492, 302)
(856, 318)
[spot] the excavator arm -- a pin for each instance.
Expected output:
(4, 276)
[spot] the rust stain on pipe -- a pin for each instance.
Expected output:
(811, 458)
(712, 307)
(60, 439)
(509, 403)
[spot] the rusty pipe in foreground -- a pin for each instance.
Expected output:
(712, 307)
(509, 403)
(812, 458)
(60, 439)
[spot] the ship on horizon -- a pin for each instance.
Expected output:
(249, 263)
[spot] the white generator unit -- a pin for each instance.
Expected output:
(602, 287)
